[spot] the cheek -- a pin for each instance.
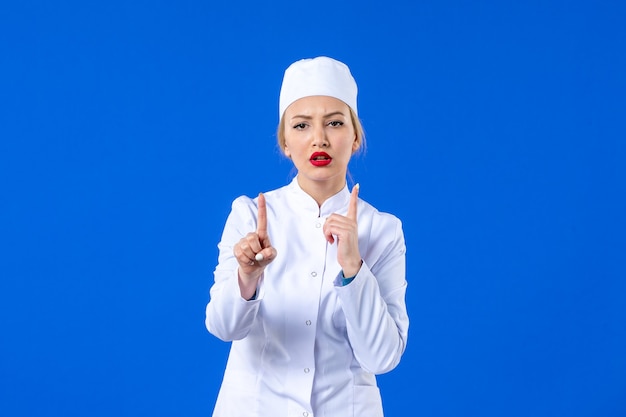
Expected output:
(292, 148)
(352, 143)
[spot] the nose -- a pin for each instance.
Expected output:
(319, 137)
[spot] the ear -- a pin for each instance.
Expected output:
(356, 144)
(287, 152)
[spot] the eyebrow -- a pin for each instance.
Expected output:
(334, 113)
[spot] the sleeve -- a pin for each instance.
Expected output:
(375, 307)
(229, 316)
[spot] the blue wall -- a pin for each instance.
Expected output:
(496, 132)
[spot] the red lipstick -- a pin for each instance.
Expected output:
(320, 159)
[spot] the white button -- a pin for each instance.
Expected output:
(318, 225)
(313, 274)
(305, 414)
(306, 370)
(308, 322)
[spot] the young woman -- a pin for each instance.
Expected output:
(310, 283)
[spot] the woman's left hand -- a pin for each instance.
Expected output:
(344, 230)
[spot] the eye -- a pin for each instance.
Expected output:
(299, 126)
(335, 123)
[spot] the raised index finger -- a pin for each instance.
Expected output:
(261, 227)
(354, 199)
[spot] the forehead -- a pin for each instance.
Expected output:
(316, 105)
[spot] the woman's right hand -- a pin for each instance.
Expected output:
(253, 253)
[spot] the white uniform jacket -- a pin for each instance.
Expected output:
(308, 346)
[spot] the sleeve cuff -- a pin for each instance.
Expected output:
(345, 281)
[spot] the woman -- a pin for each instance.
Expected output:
(310, 283)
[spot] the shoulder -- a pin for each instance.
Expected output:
(367, 210)
(379, 225)
(380, 232)
(244, 202)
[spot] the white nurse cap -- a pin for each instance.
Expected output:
(321, 76)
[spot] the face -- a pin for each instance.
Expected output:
(320, 139)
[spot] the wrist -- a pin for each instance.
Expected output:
(247, 287)
(351, 271)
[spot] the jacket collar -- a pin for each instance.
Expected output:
(337, 203)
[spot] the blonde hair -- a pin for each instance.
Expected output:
(356, 123)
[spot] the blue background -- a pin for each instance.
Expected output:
(496, 132)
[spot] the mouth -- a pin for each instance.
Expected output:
(320, 159)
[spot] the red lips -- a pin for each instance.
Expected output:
(320, 159)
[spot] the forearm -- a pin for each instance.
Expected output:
(377, 326)
(229, 316)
